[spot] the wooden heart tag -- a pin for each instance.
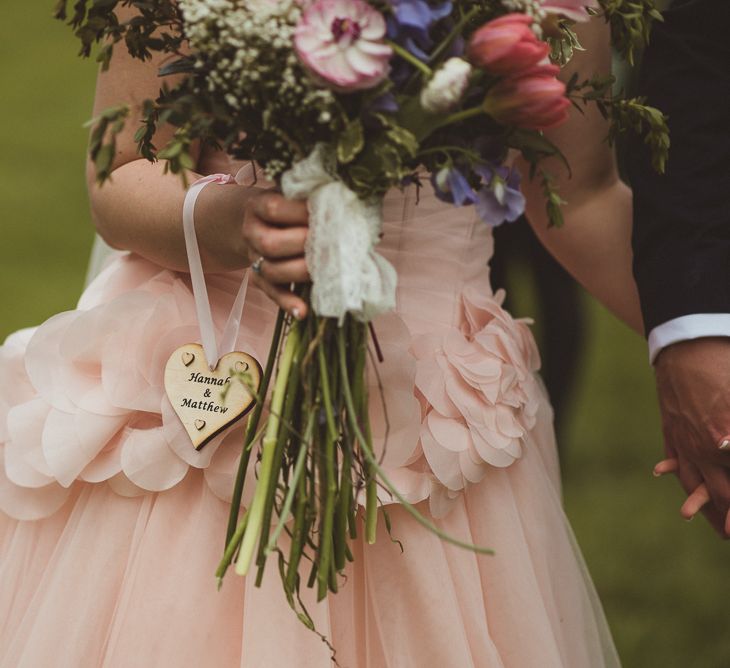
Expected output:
(196, 392)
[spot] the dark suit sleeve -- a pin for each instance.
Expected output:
(681, 235)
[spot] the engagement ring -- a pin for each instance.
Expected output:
(256, 266)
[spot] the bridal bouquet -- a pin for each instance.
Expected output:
(340, 101)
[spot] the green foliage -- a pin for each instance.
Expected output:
(257, 112)
(648, 122)
(624, 114)
(102, 143)
(535, 147)
(351, 141)
(564, 45)
(402, 137)
(630, 22)
(553, 202)
(157, 27)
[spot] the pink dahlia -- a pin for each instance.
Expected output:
(341, 41)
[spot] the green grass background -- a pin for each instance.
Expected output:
(664, 582)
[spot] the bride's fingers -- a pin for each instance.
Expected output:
(690, 477)
(273, 242)
(290, 270)
(283, 297)
(695, 502)
(666, 466)
(275, 208)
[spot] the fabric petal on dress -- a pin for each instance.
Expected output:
(28, 504)
(42, 361)
(443, 462)
(72, 440)
(148, 461)
(25, 463)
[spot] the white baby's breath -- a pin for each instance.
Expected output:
(446, 87)
(245, 42)
(532, 8)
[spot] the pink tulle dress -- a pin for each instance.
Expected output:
(112, 525)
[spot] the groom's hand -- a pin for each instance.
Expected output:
(693, 383)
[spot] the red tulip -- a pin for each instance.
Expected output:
(506, 45)
(534, 100)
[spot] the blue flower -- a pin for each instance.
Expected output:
(385, 102)
(450, 185)
(500, 198)
(413, 18)
(409, 25)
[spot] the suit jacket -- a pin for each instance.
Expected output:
(681, 236)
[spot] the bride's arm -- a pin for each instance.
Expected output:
(140, 209)
(594, 245)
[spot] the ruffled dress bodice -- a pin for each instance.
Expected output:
(82, 398)
(437, 250)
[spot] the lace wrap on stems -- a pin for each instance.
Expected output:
(348, 275)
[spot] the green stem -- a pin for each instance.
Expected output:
(231, 549)
(445, 150)
(370, 457)
(462, 115)
(455, 32)
(293, 484)
(253, 530)
(358, 337)
(284, 429)
(343, 507)
(298, 535)
(330, 480)
(409, 57)
(252, 429)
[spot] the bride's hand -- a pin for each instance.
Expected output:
(275, 230)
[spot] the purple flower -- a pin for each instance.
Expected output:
(409, 25)
(500, 198)
(450, 185)
(385, 102)
(414, 18)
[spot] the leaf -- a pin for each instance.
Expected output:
(351, 141)
(186, 161)
(103, 160)
(401, 136)
(180, 66)
(404, 138)
(535, 146)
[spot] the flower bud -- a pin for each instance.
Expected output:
(506, 45)
(534, 100)
(446, 87)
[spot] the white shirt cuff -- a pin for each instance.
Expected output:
(695, 326)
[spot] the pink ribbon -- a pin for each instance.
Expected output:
(213, 352)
